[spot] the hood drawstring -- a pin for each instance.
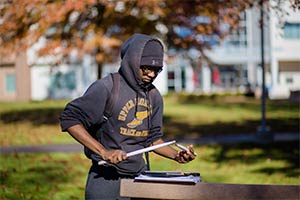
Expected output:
(149, 139)
(136, 104)
(148, 102)
(148, 109)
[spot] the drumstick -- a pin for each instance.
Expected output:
(140, 151)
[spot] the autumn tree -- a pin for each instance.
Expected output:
(98, 27)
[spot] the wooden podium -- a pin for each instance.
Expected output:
(207, 191)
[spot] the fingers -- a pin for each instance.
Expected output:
(191, 149)
(120, 156)
(182, 157)
(115, 156)
(185, 155)
(188, 149)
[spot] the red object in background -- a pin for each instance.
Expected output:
(195, 79)
(216, 76)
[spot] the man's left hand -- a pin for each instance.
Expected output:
(184, 156)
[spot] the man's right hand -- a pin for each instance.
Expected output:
(80, 134)
(114, 156)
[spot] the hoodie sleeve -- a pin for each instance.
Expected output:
(87, 109)
(156, 118)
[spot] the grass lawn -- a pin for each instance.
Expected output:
(63, 176)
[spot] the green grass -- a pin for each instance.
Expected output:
(31, 123)
(226, 116)
(62, 176)
(241, 163)
(58, 176)
(43, 176)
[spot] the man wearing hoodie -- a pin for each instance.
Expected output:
(135, 122)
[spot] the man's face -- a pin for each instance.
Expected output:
(148, 74)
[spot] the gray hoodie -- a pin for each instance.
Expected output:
(136, 120)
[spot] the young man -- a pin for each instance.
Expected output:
(135, 123)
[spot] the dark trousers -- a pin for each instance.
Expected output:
(103, 183)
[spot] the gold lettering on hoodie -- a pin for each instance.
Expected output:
(133, 132)
(125, 110)
(137, 120)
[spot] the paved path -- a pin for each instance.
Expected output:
(76, 147)
(66, 148)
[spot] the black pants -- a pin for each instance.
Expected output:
(103, 183)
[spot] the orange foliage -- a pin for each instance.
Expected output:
(100, 25)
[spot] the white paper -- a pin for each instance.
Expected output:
(179, 179)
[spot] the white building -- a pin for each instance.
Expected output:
(52, 79)
(237, 61)
(235, 66)
(284, 53)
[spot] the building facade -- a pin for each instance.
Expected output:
(235, 65)
(15, 78)
(284, 52)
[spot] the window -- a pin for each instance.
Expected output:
(171, 80)
(183, 81)
(291, 31)
(289, 80)
(10, 83)
(238, 37)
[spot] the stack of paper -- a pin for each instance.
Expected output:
(172, 177)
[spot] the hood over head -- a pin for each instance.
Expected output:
(133, 56)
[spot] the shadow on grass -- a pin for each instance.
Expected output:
(250, 153)
(288, 152)
(174, 128)
(36, 116)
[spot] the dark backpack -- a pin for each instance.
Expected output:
(111, 101)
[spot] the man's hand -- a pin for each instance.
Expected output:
(114, 156)
(185, 156)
